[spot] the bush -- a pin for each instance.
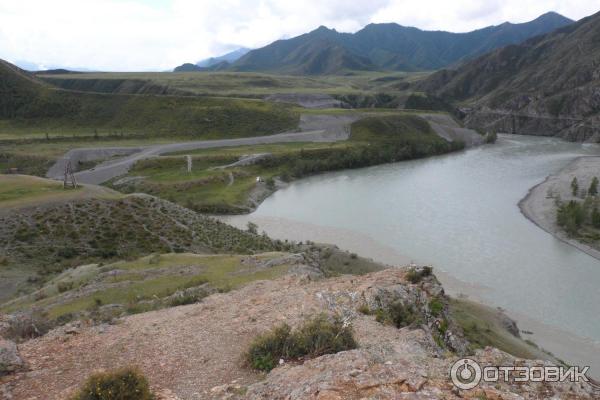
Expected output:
(317, 336)
(397, 314)
(64, 286)
(185, 298)
(67, 252)
(123, 384)
(436, 307)
(364, 309)
(415, 276)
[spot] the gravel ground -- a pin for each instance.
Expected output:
(538, 206)
(450, 130)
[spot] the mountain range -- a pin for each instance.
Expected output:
(547, 85)
(385, 47)
(214, 63)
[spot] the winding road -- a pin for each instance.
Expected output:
(113, 168)
(313, 128)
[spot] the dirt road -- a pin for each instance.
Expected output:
(313, 128)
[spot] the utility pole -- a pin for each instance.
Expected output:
(189, 163)
(69, 180)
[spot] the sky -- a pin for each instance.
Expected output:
(147, 35)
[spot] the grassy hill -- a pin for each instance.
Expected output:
(52, 230)
(546, 85)
(27, 104)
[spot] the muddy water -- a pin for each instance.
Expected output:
(459, 213)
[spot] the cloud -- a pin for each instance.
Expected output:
(160, 34)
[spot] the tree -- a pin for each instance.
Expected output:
(574, 186)
(596, 218)
(252, 228)
(593, 190)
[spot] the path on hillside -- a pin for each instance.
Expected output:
(331, 128)
(313, 128)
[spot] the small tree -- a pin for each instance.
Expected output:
(252, 228)
(574, 186)
(596, 218)
(593, 190)
(271, 184)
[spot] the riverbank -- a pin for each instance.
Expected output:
(236, 179)
(560, 343)
(539, 206)
(510, 263)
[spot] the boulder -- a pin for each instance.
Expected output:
(10, 361)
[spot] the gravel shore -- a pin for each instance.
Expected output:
(539, 204)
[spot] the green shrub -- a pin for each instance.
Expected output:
(436, 306)
(571, 216)
(397, 314)
(317, 336)
(364, 309)
(64, 286)
(268, 348)
(321, 336)
(123, 384)
(183, 299)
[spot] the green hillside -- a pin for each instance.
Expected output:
(27, 104)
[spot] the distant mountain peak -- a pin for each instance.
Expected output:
(387, 46)
(214, 63)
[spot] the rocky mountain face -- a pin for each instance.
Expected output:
(548, 85)
(387, 47)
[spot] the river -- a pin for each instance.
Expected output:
(459, 213)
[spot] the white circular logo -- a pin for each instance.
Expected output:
(465, 374)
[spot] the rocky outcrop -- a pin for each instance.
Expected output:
(196, 351)
(389, 374)
(10, 361)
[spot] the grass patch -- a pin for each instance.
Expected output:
(483, 327)
(147, 280)
(246, 84)
(335, 262)
(315, 337)
(22, 188)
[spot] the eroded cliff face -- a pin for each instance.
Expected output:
(571, 116)
(571, 128)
